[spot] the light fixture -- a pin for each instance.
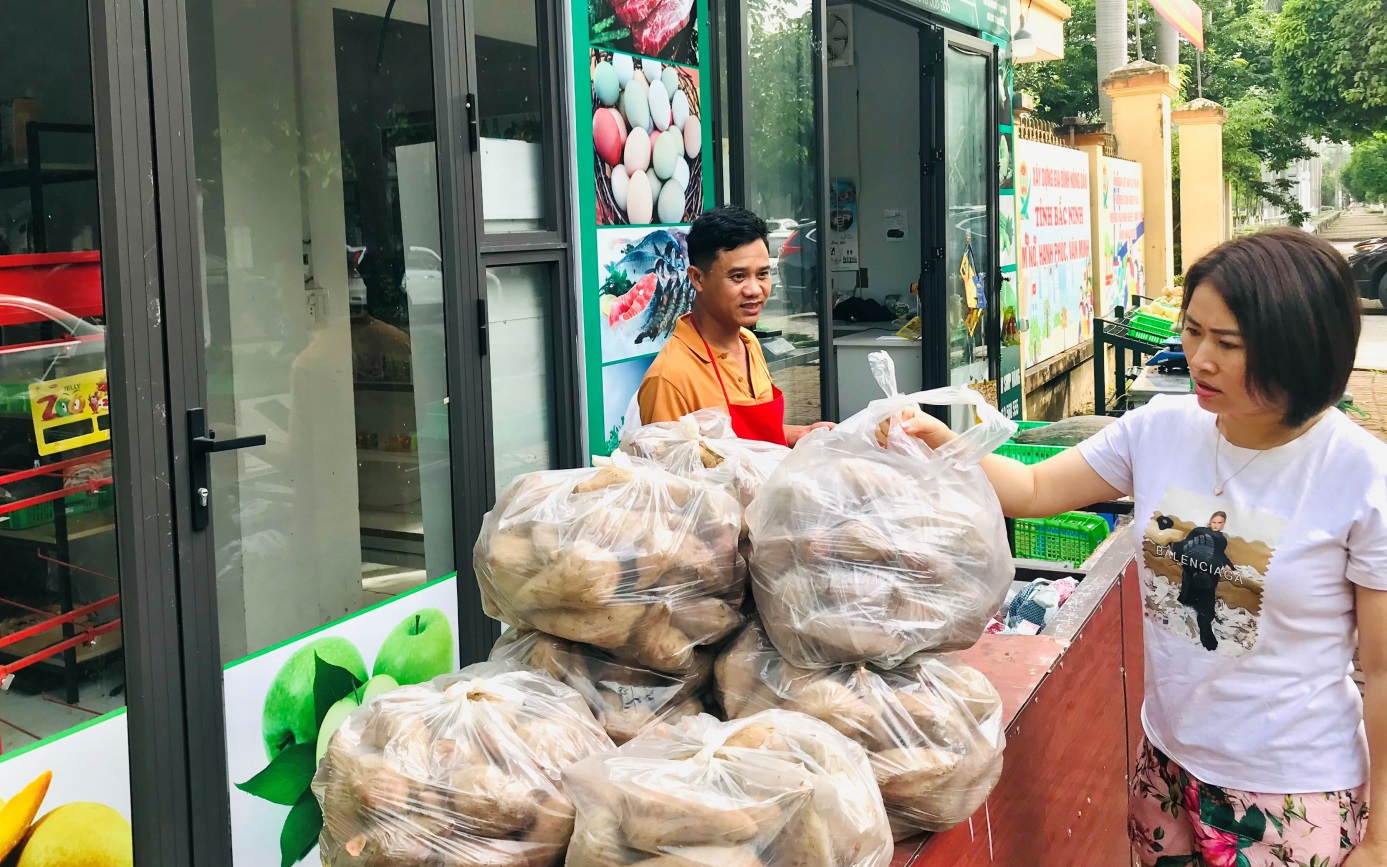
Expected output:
(1023, 44)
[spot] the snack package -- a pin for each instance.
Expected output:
(625, 698)
(463, 771)
(933, 727)
(626, 556)
(867, 546)
(778, 789)
(702, 446)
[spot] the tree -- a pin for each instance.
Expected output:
(1068, 87)
(1237, 71)
(1365, 176)
(1331, 60)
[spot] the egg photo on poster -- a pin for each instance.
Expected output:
(663, 29)
(647, 138)
(642, 288)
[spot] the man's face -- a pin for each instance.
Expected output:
(1216, 523)
(736, 286)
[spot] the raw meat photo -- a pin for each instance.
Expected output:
(664, 29)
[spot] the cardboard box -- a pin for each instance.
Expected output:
(15, 116)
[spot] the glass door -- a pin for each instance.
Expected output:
(93, 759)
(777, 168)
(322, 465)
(379, 243)
(960, 182)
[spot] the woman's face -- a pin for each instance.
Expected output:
(1217, 356)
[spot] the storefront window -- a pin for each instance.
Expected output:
(520, 312)
(780, 182)
(323, 275)
(967, 251)
(61, 656)
(511, 117)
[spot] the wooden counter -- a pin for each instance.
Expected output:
(1072, 697)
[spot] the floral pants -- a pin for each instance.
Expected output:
(1178, 821)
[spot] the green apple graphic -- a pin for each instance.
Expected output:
(336, 717)
(419, 649)
(341, 711)
(289, 717)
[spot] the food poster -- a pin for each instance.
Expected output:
(284, 704)
(645, 288)
(642, 70)
(1120, 268)
(659, 29)
(66, 800)
(620, 382)
(1052, 191)
(647, 134)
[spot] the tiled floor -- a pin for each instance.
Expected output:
(24, 715)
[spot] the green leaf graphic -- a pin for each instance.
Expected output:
(301, 829)
(331, 683)
(286, 778)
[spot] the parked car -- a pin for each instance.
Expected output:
(1369, 264)
(799, 268)
(781, 230)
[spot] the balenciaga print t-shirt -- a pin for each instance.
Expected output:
(1248, 595)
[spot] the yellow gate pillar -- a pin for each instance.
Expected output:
(1203, 210)
(1141, 93)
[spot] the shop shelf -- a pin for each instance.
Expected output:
(1068, 538)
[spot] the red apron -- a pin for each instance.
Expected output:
(760, 421)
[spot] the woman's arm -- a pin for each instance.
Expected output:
(1061, 484)
(1372, 655)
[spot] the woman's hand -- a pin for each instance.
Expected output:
(923, 426)
(1369, 853)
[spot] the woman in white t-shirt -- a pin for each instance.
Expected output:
(1262, 519)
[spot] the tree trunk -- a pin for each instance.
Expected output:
(1167, 44)
(1111, 19)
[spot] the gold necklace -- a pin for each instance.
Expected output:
(1219, 486)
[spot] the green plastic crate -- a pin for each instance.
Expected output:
(77, 504)
(1149, 329)
(1068, 538)
(28, 517)
(1029, 454)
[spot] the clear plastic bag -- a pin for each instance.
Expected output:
(625, 556)
(867, 546)
(464, 771)
(933, 727)
(775, 790)
(702, 446)
(625, 698)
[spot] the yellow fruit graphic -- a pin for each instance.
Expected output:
(18, 814)
(83, 834)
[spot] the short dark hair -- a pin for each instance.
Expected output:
(1297, 307)
(722, 229)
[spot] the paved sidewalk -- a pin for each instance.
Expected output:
(1369, 389)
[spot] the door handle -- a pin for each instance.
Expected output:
(203, 443)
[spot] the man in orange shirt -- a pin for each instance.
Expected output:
(713, 359)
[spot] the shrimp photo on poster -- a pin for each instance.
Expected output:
(642, 288)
